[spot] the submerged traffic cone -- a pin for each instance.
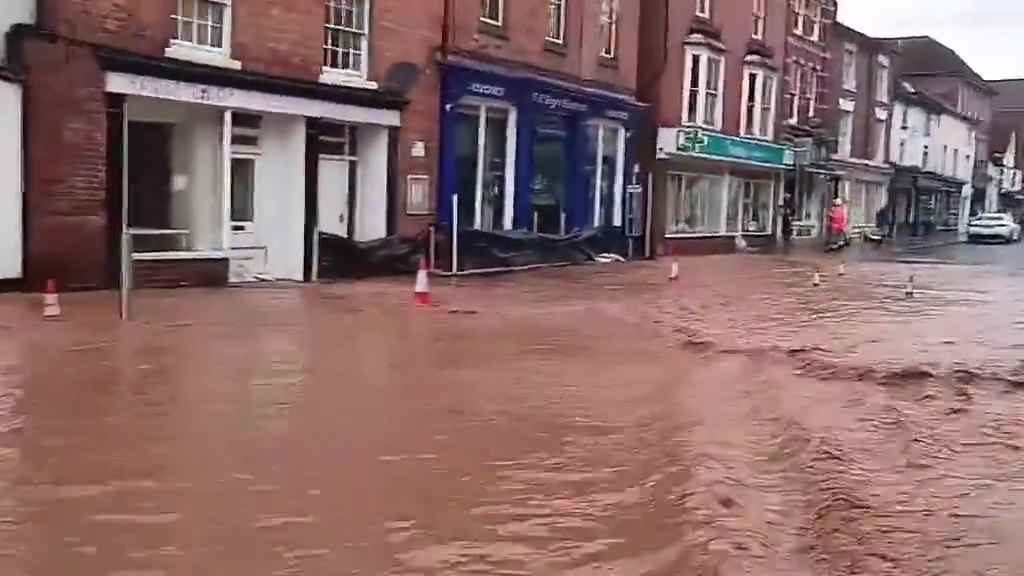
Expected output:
(51, 301)
(421, 293)
(816, 279)
(908, 290)
(674, 272)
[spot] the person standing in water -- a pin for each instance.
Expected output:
(837, 223)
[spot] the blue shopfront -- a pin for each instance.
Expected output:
(520, 153)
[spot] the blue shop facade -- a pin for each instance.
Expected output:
(522, 153)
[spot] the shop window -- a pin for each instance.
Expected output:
(705, 82)
(345, 36)
(556, 21)
(604, 170)
(880, 135)
(484, 152)
(609, 28)
(759, 20)
(749, 208)
(550, 175)
(758, 117)
(695, 203)
(492, 11)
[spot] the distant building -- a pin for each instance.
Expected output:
(933, 148)
(936, 70)
(1007, 143)
(714, 73)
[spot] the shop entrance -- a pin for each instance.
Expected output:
(484, 155)
(550, 175)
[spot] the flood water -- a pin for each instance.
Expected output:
(584, 421)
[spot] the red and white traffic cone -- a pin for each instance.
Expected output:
(51, 301)
(421, 293)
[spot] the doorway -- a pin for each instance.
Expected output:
(336, 195)
(550, 175)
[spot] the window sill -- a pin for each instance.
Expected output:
(493, 30)
(182, 255)
(200, 55)
(608, 61)
(555, 47)
(337, 77)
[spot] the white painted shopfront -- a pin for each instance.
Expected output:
(10, 181)
(219, 172)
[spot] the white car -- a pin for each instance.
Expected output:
(993, 227)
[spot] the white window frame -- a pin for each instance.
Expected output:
(620, 172)
(610, 18)
(757, 122)
(704, 8)
(759, 20)
(343, 76)
(845, 134)
(882, 79)
(812, 100)
(796, 73)
(511, 132)
(850, 67)
(200, 53)
(560, 4)
(245, 226)
(501, 13)
(705, 56)
(804, 11)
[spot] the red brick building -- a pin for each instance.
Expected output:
(540, 125)
(224, 134)
(808, 77)
(714, 73)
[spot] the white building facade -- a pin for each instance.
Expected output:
(11, 151)
(933, 149)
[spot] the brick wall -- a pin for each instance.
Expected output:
(521, 40)
(410, 33)
(66, 185)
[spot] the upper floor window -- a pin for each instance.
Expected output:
(556, 21)
(704, 85)
(850, 67)
(203, 23)
(758, 115)
(758, 31)
(928, 124)
(704, 8)
(882, 79)
(345, 36)
(808, 19)
(492, 11)
(845, 134)
(609, 28)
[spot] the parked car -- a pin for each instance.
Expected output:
(992, 226)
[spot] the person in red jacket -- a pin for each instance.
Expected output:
(838, 220)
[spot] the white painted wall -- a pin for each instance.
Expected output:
(14, 12)
(281, 194)
(10, 181)
(372, 190)
(947, 130)
(196, 162)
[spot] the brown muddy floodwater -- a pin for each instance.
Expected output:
(585, 421)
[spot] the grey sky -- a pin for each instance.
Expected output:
(988, 34)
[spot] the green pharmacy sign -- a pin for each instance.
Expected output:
(715, 146)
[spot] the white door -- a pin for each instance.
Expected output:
(10, 181)
(334, 193)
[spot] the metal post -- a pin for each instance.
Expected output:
(455, 233)
(126, 273)
(432, 247)
(127, 270)
(648, 224)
